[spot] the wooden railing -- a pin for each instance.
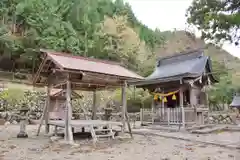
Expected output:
(174, 116)
(170, 116)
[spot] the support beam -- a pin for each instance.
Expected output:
(46, 117)
(94, 107)
(42, 117)
(124, 106)
(68, 114)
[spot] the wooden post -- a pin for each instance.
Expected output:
(207, 100)
(162, 110)
(68, 114)
(124, 106)
(94, 107)
(46, 118)
(141, 116)
(168, 115)
(153, 110)
(42, 117)
(181, 105)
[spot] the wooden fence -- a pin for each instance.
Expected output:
(170, 116)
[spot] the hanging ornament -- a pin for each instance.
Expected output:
(165, 99)
(155, 97)
(174, 97)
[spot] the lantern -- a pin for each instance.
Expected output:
(155, 97)
(174, 97)
(165, 99)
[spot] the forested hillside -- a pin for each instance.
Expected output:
(102, 29)
(94, 28)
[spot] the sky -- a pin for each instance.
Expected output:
(168, 15)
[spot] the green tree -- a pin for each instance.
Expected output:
(222, 92)
(73, 26)
(217, 19)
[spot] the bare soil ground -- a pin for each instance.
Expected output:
(139, 148)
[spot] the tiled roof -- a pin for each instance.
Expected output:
(192, 64)
(174, 68)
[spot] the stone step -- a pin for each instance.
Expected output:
(209, 130)
(101, 130)
(104, 135)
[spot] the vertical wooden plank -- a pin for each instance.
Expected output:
(47, 110)
(207, 100)
(168, 115)
(141, 116)
(163, 107)
(124, 106)
(177, 110)
(174, 115)
(181, 105)
(94, 107)
(153, 109)
(68, 113)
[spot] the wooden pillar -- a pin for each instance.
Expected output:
(68, 114)
(181, 105)
(168, 116)
(46, 118)
(124, 105)
(163, 107)
(153, 110)
(141, 116)
(94, 107)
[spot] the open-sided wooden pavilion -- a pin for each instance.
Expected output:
(68, 72)
(178, 84)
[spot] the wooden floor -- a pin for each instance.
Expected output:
(84, 123)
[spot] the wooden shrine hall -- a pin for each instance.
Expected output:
(178, 84)
(68, 72)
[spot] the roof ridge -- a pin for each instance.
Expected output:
(181, 54)
(64, 54)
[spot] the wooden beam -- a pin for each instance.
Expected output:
(96, 84)
(42, 117)
(40, 69)
(85, 86)
(124, 106)
(68, 114)
(95, 75)
(94, 107)
(68, 71)
(47, 110)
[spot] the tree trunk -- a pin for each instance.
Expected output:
(86, 45)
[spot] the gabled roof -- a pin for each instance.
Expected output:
(67, 61)
(85, 73)
(191, 64)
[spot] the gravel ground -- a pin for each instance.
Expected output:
(140, 148)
